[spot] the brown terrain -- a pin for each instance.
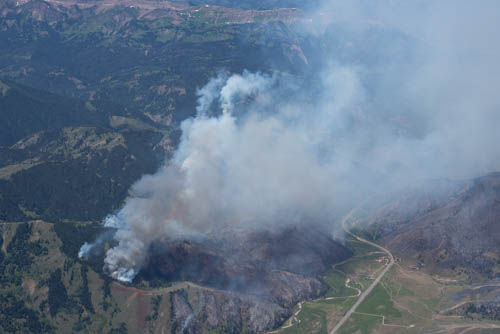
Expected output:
(51, 10)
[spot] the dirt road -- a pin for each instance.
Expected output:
(365, 293)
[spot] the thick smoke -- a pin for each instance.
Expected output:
(402, 93)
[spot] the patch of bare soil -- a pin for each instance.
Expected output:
(30, 286)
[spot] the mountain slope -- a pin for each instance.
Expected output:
(456, 233)
(147, 54)
(45, 287)
(26, 110)
(253, 4)
(62, 158)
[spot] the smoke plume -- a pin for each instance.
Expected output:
(398, 93)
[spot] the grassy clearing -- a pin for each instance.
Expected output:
(361, 270)
(415, 291)
(408, 300)
(312, 320)
(4, 88)
(379, 302)
(360, 323)
(119, 121)
(7, 171)
(336, 280)
(322, 315)
(319, 316)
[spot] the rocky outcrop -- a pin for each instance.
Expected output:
(223, 311)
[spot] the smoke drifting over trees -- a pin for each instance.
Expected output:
(273, 149)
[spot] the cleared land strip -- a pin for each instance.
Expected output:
(365, 293)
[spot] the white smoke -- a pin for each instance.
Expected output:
(84, 251)
(226, 169)
(278, 150)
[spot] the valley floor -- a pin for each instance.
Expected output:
(404, 301)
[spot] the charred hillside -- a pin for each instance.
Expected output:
(458, 230)
(262, 275)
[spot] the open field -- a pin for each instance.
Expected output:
(405, 301)
(346, 280)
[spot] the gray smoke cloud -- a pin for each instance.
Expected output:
(402, 93)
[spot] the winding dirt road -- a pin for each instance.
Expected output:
(365, 293)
